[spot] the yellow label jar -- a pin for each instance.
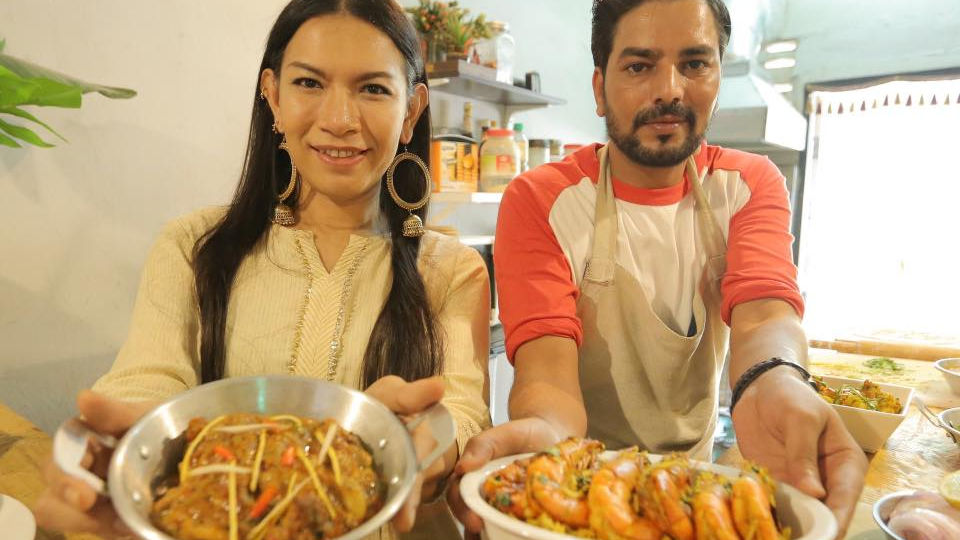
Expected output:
(499, 160)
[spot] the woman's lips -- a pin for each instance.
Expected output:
(339, 156)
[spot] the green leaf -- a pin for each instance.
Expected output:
(29, 70)
(14, 90)
(7, 141)
(50, 93)
(24, 134)
(24, 114)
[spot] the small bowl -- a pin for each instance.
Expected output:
(807, 517)
(950, 368)
(882, 509)
(948, 419)
(871, 429)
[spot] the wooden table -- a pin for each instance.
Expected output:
(24, 450)
(915, 456)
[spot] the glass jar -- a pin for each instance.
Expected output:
(499, 160)
(498, 50)
(539, 152)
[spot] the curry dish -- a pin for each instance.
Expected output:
(571, 489)
(252, 477)
(868, 396)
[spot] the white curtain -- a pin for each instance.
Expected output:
(880, 236)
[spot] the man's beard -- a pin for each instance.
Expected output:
(629, 142)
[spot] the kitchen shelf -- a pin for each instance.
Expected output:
(476, 82)
(464, 197)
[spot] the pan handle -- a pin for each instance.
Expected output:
(443, 428)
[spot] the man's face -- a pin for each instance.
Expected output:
(661, 81)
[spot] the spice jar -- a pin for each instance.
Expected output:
(539, 152)
(499, 160)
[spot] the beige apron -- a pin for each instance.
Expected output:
(644, 384)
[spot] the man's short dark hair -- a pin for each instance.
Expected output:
(607, 14)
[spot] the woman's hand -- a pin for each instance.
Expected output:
(69, 504)
(407, 399)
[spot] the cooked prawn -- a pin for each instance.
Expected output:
(663, 498)
(506, 490)
(711, 510)
(557, 480)
(611, 515)
(752, 509)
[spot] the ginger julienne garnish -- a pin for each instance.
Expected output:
(253, 477)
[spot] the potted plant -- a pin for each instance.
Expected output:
(23, 83)
(447, 29)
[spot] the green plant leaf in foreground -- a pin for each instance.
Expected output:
(24, 134)
(24, 114)
(30, 70)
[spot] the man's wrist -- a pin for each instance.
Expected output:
(760, 369)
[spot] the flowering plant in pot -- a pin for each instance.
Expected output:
(446, 28)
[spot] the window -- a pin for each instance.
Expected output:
(879, 254)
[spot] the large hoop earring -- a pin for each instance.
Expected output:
(413, 225)
(283, 214)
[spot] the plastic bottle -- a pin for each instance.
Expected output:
(498, 51)
(523, 146)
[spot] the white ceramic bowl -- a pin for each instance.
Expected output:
(950, 418)
(871, 429)
(807, 517)
(950, 368)
(882, 509)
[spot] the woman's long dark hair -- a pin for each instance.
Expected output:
(405, 340)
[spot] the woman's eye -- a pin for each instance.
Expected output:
(307, 82)
(377, 89)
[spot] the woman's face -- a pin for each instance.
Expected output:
(341, 100)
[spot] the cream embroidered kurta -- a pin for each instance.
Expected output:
(283, 309)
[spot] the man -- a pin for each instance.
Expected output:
(624, 270)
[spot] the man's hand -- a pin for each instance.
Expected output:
(785, 426)
(514, 437)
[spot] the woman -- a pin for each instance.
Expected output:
(342, 284)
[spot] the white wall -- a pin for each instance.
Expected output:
(78, 219)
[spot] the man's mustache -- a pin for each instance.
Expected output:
(664, 109)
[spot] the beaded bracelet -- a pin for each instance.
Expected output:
(760, 368)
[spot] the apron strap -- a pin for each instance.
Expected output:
(601, 266)
(711, 235)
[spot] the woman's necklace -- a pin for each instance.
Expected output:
(336, 342)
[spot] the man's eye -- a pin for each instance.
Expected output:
(637, 68)
(377, 89)
(696, 64)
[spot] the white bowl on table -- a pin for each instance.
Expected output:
(871, 429)
(950, 368)
(807, 517)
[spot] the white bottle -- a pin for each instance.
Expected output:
(523, 146)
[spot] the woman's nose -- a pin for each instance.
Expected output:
(338, 113)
